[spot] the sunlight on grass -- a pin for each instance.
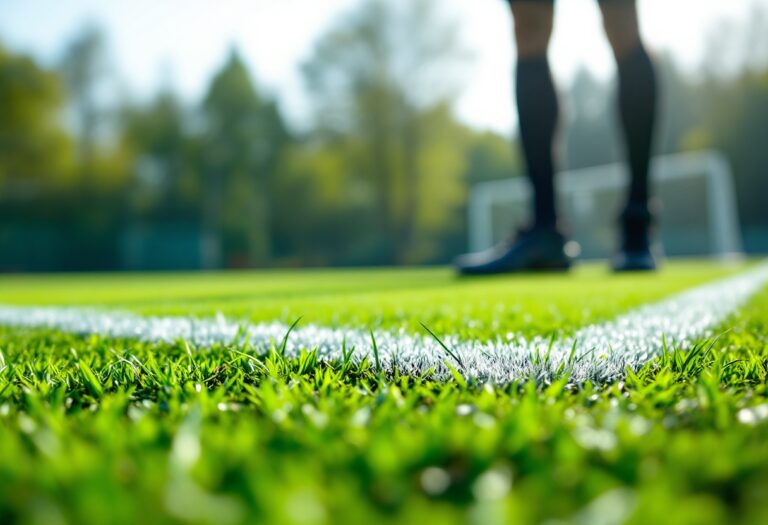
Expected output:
(471, 308)
(93, 427)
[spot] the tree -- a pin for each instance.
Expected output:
(382, 80)
(34, 148)
(244, 138)
(591, 124)
(167, 181)
(739, 129)
(42, 195)
(82, 68)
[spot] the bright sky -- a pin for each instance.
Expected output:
(186, 40)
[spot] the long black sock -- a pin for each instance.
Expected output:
(537, 106)
(637, 107)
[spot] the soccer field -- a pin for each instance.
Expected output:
(398, 396)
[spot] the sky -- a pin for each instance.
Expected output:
(182, 42)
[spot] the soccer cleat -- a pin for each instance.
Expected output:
(636, 253)
(531, 250)
(634, 261)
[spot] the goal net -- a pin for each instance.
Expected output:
(699, 211)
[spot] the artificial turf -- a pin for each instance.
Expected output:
(116, 431)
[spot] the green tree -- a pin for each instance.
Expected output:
(47, 222)
(83, 67)
(382, 80)
(322, 212)
(590, 123)
(167, 181)
(490, 157)
(34, 149)
(244, 138)
(739, 129)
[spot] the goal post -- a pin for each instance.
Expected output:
(700, 212)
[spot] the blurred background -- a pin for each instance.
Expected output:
(189, 134)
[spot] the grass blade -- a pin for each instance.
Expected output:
(440, 342)
(284, 344)
(375, 350)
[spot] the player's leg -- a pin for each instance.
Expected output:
(537, 103)
(541, 247)
(637, 107)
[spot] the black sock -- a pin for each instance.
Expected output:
(537, 106)
(637, 107)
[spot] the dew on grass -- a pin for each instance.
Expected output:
(319, 419)
(186, 449)
(595, 438)
(464, 410)
(639, 426)
(753, 416)
(26, 424)
(361, 417)
(279, 416)
(493, 484)
(483, 420)
(435, 481)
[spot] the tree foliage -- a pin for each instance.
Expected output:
(380, 81)
(244, 135)
(35, 151)
(381, 176)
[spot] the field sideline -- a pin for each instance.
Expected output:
(388, 299)
(98, 429)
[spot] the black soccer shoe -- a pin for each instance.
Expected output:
(531, 251)
(636, 253)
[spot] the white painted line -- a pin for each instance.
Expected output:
(602, 351)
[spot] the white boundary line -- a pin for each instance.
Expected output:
(599, 352)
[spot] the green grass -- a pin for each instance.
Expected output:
(104, 431)
(376, 298)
